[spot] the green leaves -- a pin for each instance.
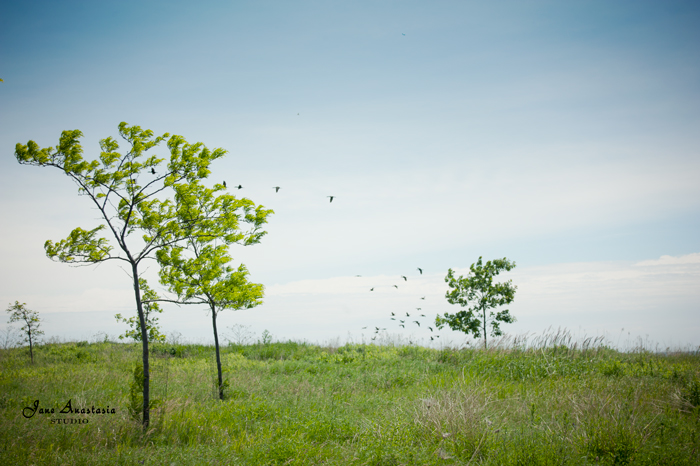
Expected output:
(80, 246)
(478, 293)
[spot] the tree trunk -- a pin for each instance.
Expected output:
(484, 325)
(218, 356)
(144, 345)
(31, 352)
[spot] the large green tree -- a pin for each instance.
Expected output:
(477, 294)
(137, 200)
(198, 271)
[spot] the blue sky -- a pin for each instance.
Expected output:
(562, 135)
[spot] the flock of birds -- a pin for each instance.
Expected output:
(276, 188)
(401, 319)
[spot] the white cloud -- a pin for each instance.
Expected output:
(688, 259)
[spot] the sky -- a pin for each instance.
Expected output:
(564, 136)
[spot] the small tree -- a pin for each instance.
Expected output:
(478, 289)
(198, 271)
(150, 307)
(20, 313)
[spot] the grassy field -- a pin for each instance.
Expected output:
(301, 404)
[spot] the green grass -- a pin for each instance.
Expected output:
(552, 403)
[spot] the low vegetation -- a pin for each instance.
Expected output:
(288, 403)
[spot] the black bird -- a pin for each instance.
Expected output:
(423, 297)
(224, 184)
(418, 309)
(364, 328)
(239, 187)
(377, 328)
(402, 325)
(393, 314)
(420, 270)
(396, 286)
(153, 171)
(393, 318)
(416, 322)
(408, 315)
(371, 289)
(431, 328)
(431, 338)
(331, 198)
(276, 188)
(402, 321)
(404, 278)
(422, 315)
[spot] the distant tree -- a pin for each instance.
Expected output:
(31, 323)
(125, 189)
(479, 290)
(198, 270)
(150, 307)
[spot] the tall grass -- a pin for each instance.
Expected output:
(544, 399)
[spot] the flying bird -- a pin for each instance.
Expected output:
(364, 328)
(331, 198)
(371, 289)
(396, 286)
(422, 315)
(403, 34)
(423, 297)
(393, 314)
(418, 309)
(224, 183)
(408, 315)
(420, 270)
(276, 188)
(404, 278)
(239, 187)
(402, 325)
(417, 323)
(153, 171)
(431, 328)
